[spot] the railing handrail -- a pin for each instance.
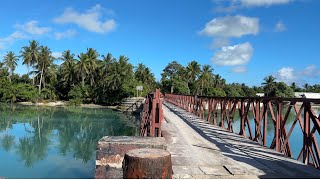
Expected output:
(152, 115)
(261, 107)
(314, 100)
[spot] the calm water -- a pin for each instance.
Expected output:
(52, 142)
(296, 138)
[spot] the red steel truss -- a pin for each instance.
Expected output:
(152, 115)
(263, 109)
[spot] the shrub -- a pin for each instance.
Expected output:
(74, 102)
(217, 92)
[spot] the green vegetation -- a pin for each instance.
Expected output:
(91, 78)
(201, 80)
(87, 78)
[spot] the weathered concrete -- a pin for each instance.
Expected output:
(202, 150)
(111, 151)
(147, 163)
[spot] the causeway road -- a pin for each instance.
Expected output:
(200, 150)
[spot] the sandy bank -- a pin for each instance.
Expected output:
(64, 103)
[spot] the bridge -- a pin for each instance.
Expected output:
(201, 135)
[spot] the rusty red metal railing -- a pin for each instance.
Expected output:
(263, 109)
(152, 115)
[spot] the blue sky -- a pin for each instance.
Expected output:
(243, 40)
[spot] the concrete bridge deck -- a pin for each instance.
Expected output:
(202, 150)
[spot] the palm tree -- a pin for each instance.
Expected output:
(68, 67)
(140, 72)
(118, 73)
(92, 58)
(82, 67)
(193, 71)
(205, 79)
(10, 60)
(67, 56)
(44, 62)
(269, 85)
(149, 77)
(294, 86)
(30, 55)
(106, 64)
(306, 87)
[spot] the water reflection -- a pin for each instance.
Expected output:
(7, 142)
(31, 135)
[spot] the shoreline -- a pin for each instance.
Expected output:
(65, 104)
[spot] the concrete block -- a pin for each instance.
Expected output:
(111, 151)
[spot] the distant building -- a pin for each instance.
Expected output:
(307, 95)
(260, 94)
(300, 95)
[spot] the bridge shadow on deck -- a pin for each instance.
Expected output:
(270, 164)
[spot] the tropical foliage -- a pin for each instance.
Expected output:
(87, 77)
(93, 78)
(197, 79)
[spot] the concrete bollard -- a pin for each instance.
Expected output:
(147, 163)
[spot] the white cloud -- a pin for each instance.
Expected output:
(233, 55)
(231, 26)
(57, 55)
(32, 27)
(257, 3)
(89, 20)
(239, 69)
(280, 27)
(290, 75)
(286, 74)
(66, 34)
(234, 5)
(9, 40)
(224, 28)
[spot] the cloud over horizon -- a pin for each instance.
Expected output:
(290, 75)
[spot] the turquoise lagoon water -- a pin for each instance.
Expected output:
(55, 142)
(295, 139)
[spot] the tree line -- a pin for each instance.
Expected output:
(201, 80)
(87, 77)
